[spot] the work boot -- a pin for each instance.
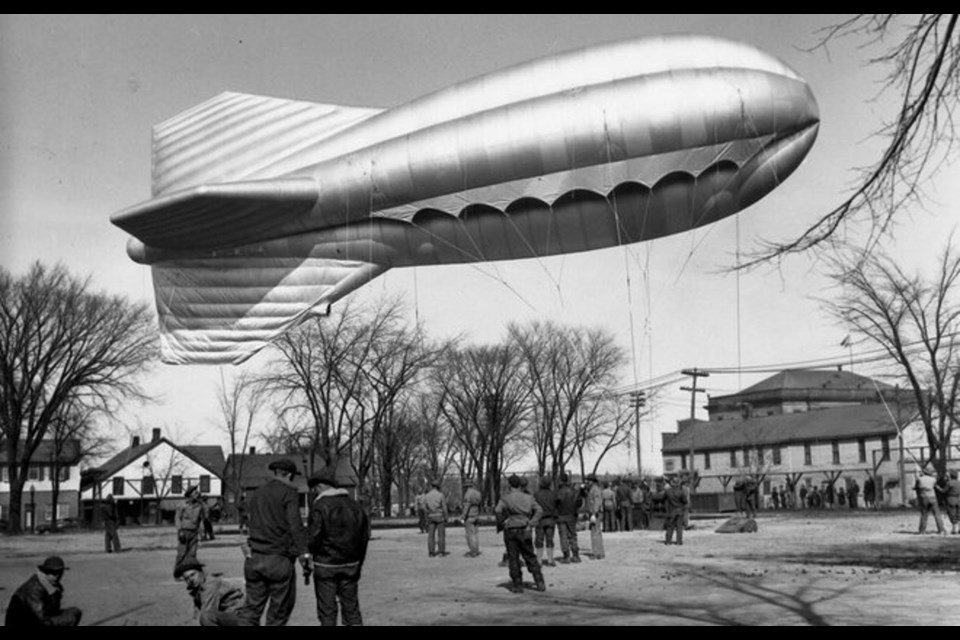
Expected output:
(566, 558)
(540, 585)
(516, 587)
(576, 557)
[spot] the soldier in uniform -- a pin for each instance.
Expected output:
(569, 502)
(108, 511)
(471, 518)
(546, 497)
(435, 505)
(518, 513)
(595, 512)
(676, 502)
(188, 519)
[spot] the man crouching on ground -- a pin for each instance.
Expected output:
(339, 533)
(519, 513)
(216, 602)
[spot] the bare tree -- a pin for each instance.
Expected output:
(60, 343)
(600, 422)
(240, 404)
(319, 375)
(74, 437)
(484, 396)
(916, 320)
(568, 370)
(924, 72)
(398, 357)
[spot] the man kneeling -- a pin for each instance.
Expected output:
(216, 602)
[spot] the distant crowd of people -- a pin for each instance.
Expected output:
(332, 547)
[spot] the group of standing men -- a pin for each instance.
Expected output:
(331, 550)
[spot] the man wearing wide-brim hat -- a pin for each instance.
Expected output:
(36, 603)
(188, 519)
(276, 539)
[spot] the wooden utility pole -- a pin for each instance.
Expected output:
(638, 399)
(693, 373)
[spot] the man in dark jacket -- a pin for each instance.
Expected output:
(277, 538)
(108, 512)
(676, 501)
(624, 505)
(339, 534)
(546, 497)
(569, 501)
(37, 602)
(518, 513)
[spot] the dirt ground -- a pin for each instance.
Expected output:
(798, 569)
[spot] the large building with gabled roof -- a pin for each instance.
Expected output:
(148, 479)
(797, 427)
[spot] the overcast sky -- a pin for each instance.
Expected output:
(81, 93)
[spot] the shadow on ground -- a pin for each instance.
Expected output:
(735, 599)
(922, 553)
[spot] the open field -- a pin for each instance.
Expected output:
(799, 569)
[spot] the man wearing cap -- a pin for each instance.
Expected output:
(546, 497)
(520, 513)
(471, 517)
(435, 505)
(216, 602)
(595, 512)
(569, 501)
(188, 518)
(36, 603)
(276, 539)
(925, 486)
(676, 502)
(339, 534)
(108, 512)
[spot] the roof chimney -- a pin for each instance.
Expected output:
(253, 451)
(134, 441)
(156, 435)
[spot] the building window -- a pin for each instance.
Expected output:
(733, 458)
(885, 446)
(669, 464)
(118, 484)
(204, 484)
(862, 449)
(836, 451)
(807, 454)
(706, 460)
(146, 486)
(33, 472)
(4, 473)
(776, 454)
(683, 461)
(64, 473)
(746, 456)
(176, 485)
(760, 457)
(63, 510)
